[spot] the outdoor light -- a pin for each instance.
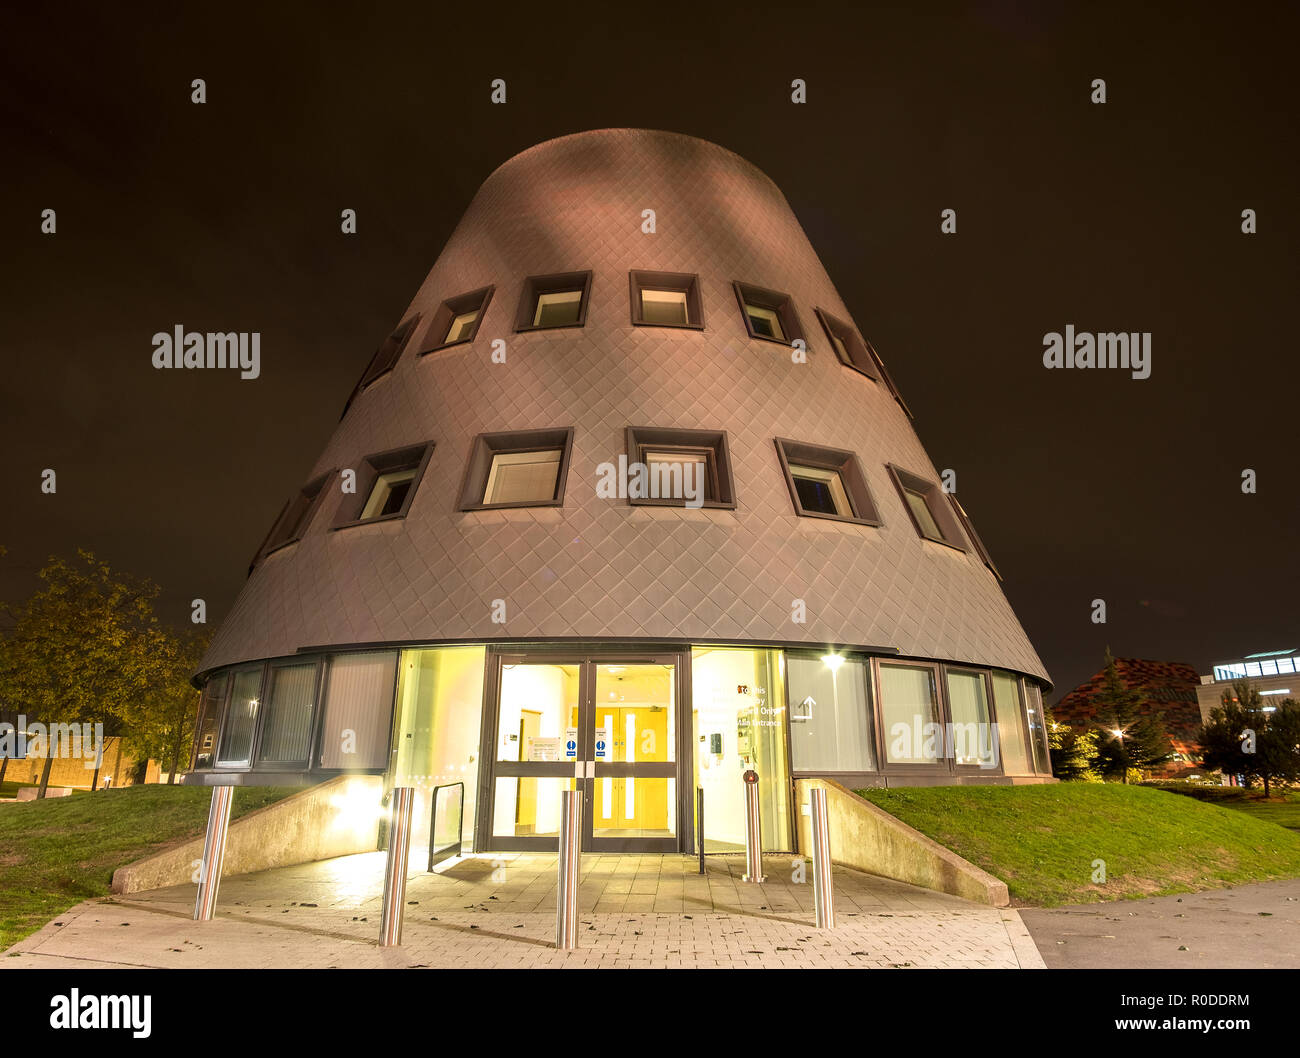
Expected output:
(833, 661)
(1118, 733)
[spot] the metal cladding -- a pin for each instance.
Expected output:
(594, 567)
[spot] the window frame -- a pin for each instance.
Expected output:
(218, 764)
(372, 467)
(774, 301)
(969, 528)
(268, 682)
(435, 338)
(986, 679)
(940, 765)
(486, 446)
(714, 443)
(857, 355)
(552, 283)
(872, 712)
(687, 283)
(863, 506)
(905, 480)
(313, 493)
(386, 357)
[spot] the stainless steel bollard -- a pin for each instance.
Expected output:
(753, 834)
(699, 815)
(823, 884)
(399, 855)
(214, 853)
(568, 871)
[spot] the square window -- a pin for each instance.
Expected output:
(522, 468)
(666, 299)
(826, 483)
(523, 477)
(386, 356)
(768, 314)
(679, 468)
(457, 320)
(295, 517)
(973, 536)
(848, 344)
(933, 518)
(386, 485)
(554, 301)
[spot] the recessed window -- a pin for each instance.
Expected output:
(457, 320)
(826, 483)
(666, 299)
(295, 517)
(768, 314)
(386, 485)
(932, 517)
(973, 536)
(554, 301)
(387, 355)
(522, 468)
(679, 468)
(848, 344)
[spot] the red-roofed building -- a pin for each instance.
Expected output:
(1168, 691)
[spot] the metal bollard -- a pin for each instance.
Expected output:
(823, 884)
(753, 835)
(399, 855)
(568, 871)
(214, 853)
(699, 815)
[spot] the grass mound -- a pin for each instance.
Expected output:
(1045, 841)
(58, 852)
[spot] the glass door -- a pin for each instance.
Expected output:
(631, 792)
(608, 727)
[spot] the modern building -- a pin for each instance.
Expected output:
(1167, 691)
(1274, 673)
(625, 500)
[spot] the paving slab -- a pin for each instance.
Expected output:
(498, 911)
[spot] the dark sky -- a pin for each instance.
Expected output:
(1121, 217)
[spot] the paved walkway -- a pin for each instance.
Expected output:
(499, 911)
(1244, 927)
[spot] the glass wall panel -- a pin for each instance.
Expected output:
(205, 740)
(626, 806)
(241, 717)
(1011, 724)
(440, 707)
(739, 722)
(290, 707)
(830, 714)
(1037, 728)
(539, 709)
(358, 710)
(909, 711)
(972, 738)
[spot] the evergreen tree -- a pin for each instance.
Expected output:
(1245, 737)
(1130, 737)
(1074, 753)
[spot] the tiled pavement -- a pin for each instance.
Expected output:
(499, 911)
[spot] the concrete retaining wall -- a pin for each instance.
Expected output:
(868, 838)
(336, 818)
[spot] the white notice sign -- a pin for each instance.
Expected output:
(546, 749)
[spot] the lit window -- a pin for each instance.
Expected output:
(388, 496)
(682, 468)
(554, 301)
(386, 485)
(768, 314)
(666, 299)
(521, 468)
(457, 320)
(826, 483)
(523, 477)
(933, 518)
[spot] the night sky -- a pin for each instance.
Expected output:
(1117, 217)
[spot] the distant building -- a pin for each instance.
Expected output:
(1275, 673)
(1168, 691)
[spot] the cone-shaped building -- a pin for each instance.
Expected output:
(625, 496)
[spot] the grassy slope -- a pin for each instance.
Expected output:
(1282, 808)
(1042, 840)
(57, 852)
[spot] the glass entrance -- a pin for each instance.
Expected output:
(609, 727)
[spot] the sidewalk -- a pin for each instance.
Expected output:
(499, 911)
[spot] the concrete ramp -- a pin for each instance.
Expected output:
(870, 839)
(337, 818)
